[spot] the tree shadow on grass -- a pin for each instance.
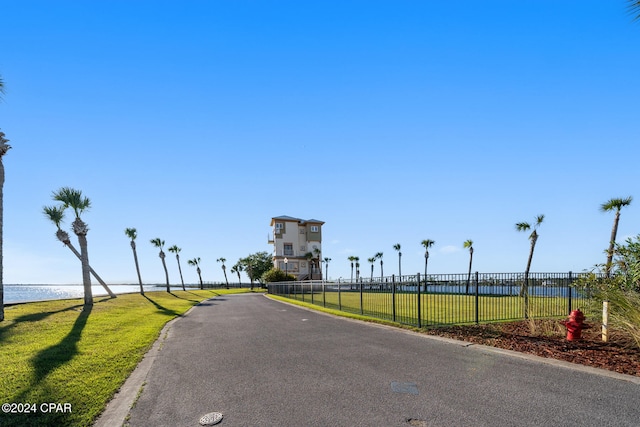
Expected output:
(33, 317)
(192, 300)
(51, 358)
(162, 308)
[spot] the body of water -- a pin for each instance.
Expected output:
(28, 293)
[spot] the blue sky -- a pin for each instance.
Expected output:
(392, 121)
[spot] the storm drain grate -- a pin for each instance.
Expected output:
(406, 388)
(210, 419)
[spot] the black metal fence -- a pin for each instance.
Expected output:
(445, 299)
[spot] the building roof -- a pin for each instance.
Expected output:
(299, 220)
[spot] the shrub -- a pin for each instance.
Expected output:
(621, 289)
(277, 275)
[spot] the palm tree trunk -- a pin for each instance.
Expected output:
(524, 292)
(166, 272)
(98, 278)
(180, 270)
(426, 264)
(86, 270)
(200, 276)
(612, 242)
(135, 259)
(469, 275)
(426, 260)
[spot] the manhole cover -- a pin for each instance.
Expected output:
(211, 419)
(406, 388)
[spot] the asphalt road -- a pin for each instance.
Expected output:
(261, 362)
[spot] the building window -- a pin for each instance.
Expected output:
(290, 267)
(314, 228)
(288, 249)
(279, 226)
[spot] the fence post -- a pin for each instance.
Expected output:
(324, 294)
(419, 304)
(393, 296)
(477, 300)
(570, 289)
(312, 292)
(339, 297)
(361, 307)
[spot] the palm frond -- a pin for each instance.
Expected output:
(427, 243)
(523, 226)
(634, 9)
(615, 204)
(157, 242)
(55, 214)
(131, 233)
(4, 147)
(467, 244)
(72, 198)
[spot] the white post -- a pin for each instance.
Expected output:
(605, 320)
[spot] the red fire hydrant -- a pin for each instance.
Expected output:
(575, 325)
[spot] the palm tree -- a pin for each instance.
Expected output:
(56, 215)
(196, 263)
(326, 261)
(533, 237)
(309, 257)
(158, 243)
(357, 259)
(469, 244)
(397, 248)
(224, 269)
(379, 256)
(372, 260)
(352, 259)
(4, 147)
(237, 268)
(72, 198)
(176, 250)
(610, 205)
(316, 259)
(132, 234)
(427, 243)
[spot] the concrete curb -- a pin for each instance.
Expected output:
(119, 406)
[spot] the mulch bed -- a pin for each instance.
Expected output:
(547, 338)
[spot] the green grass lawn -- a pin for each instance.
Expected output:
(438, 309)
(53, 352)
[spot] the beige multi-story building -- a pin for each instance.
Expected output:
(297, 246)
